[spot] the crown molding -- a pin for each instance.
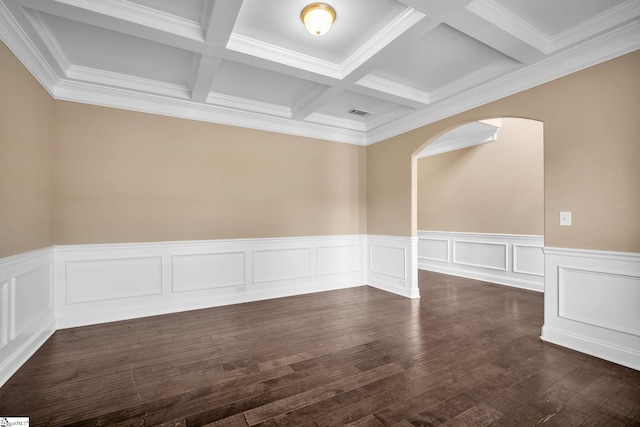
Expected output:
(223, 100)
(89, 93)
(35, 18)
(18, 42)
(337, 121)
(109, 78)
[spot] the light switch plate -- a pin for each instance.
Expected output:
(565, 219)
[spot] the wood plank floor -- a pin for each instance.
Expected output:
(466, 353)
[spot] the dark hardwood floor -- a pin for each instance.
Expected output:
(466, 353)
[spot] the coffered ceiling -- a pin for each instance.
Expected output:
(385, 67)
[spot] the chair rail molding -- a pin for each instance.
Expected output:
(592, 303)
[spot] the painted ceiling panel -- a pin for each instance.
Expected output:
(88, 46)
(441, 57)
(249, 82)
(552, 16)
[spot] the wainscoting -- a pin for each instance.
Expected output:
(104, 283)
(26, 307)
(592, 298)
(592, 303)
(507, 259)
(392, 266)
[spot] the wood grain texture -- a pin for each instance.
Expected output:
(466, 353)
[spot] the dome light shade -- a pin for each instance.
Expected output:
(318, 17)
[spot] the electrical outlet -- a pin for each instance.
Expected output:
(565, 219)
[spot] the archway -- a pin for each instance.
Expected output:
(478, 202)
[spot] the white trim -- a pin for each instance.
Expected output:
(593, 253)
(624, 356)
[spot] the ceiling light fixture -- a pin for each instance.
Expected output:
(318, 17)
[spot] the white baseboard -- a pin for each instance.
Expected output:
(505, 259)
(104, 283)
(392, 264)
(26, 307)
(592, 303)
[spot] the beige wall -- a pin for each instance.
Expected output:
(25, 167)
(121, 176)
(496, 187)
(591, 154)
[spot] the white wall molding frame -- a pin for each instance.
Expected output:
(592, 303)
(505, 259)
(110, 282)
(26, 307)
(392, 264)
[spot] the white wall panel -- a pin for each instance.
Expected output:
(592, 303)
(506, 259)
(4, 314)
(26, 311)
(338, 259)
(102, 283)
(528, 259)
(31, 298)
(271, 265)
(392, 264)
(600, 299)
(480, 254)
(389, 261)
(208, 271)
(105, 279)
(433, 249)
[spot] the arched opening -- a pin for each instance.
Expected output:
(478, 202)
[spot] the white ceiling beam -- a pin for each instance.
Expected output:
(205, 74)
(494, 36)
(391, 91)
(309, 103)
(218, 24)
